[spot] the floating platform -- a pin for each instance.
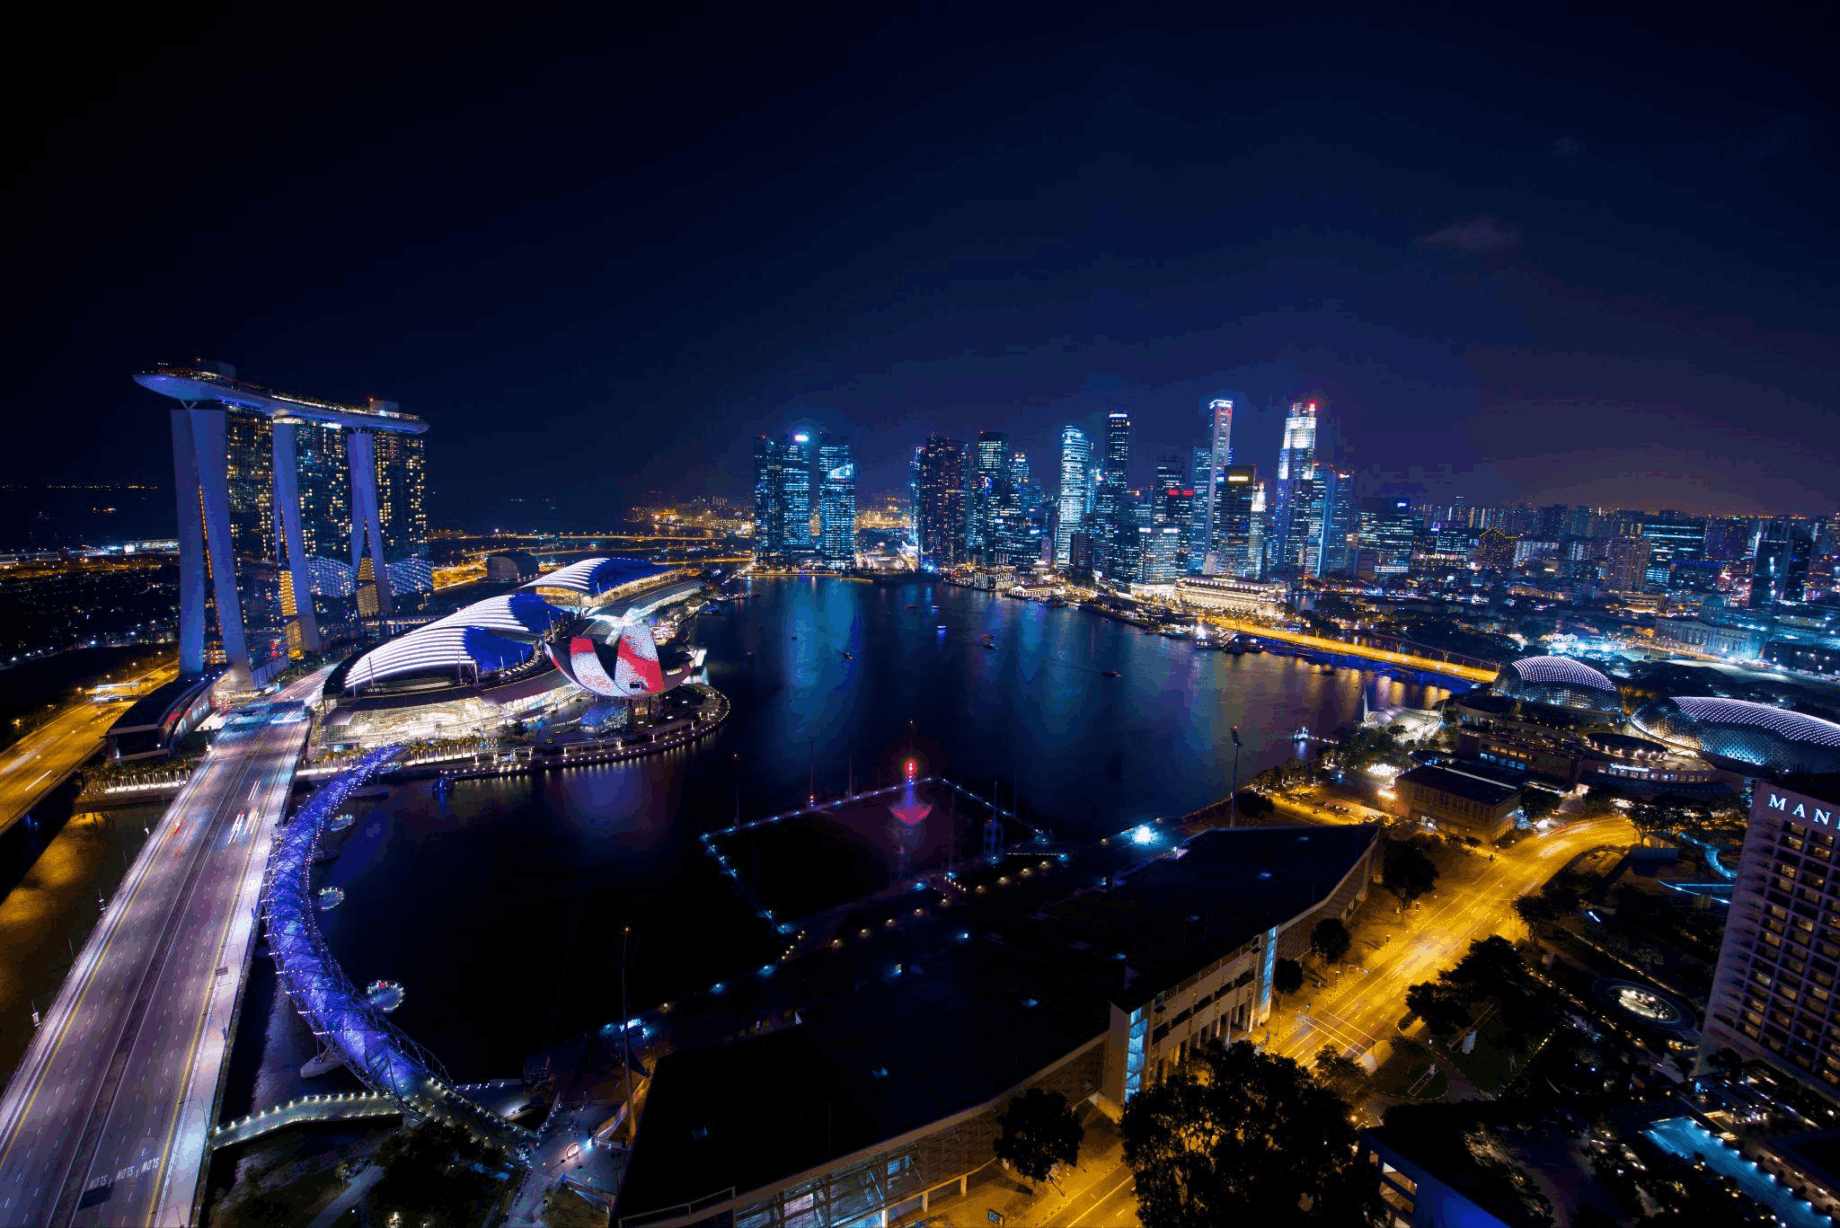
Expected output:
(386, 996)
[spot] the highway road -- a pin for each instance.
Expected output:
(45, 758)
(106, 1120)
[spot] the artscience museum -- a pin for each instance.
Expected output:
(579, 641)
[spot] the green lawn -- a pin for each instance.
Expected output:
(1494, 1059)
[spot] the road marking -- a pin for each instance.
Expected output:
(1074, 1222)
(163, 1173)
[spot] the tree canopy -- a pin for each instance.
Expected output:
(1244, 1137)
(436, 1175)
(1406, 871)
(1330, 940)
(1287, 976)
(1039, 1130)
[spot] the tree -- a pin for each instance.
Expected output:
(1240, 1136)
(434, 1174)
(1330, 940)
(1287, 976)
(1536, 804)
(1406, 871)
(1439, 1006)
(1039, 1130)
(1489, 969)
(1254, 805)
(1342, 1075)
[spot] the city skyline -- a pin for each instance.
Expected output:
(722, 617)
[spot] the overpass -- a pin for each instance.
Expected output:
(1318, 643)
(44, 759)
(106, 1119)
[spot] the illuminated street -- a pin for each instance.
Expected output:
(1342, 648)
(1471, 902)
(1474, 900)
(45, 758)
(106, 1119)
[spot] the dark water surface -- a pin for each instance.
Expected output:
(501, 908)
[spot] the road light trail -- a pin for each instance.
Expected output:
(106, 1119)
(59, 746)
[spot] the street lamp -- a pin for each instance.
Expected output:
(1233, 797)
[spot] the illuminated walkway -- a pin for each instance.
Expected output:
(372, 1048)
(1342, 648)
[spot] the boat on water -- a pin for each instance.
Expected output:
(1111, 673)
(1302, 734)
(1254, 646)
(339, 822)
(847, 654)
(329, 898)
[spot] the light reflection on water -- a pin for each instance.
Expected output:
(500, 907)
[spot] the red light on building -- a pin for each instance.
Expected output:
(913, 769)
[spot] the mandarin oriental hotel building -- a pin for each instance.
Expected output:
(1773, 995)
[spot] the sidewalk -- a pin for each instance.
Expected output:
(1095, 1194)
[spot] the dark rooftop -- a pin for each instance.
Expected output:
(973, 1020)
(150, 711)
(1459, 784)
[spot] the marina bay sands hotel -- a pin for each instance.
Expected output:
(297, 516)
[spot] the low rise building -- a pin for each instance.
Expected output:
(883, 1097)
(1457, 802)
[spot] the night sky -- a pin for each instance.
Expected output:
(1582, 259)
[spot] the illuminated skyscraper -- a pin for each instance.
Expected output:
(1201, 517)
(1387, 531)
(1239, 524)
(1672, 538)
(1340, 522)
(1772, 993)
(1779, 564)
(769, 541)
(1111, 518)
(325, 507)
(267, 485)
(1220, 455)
(402, 513)
(795, 495)
(940, 507)
(1076, 461)
(1296, 520)
(836, 503)
(990, 494)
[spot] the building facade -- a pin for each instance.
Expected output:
(836, 503)
(1296, 518)
(1076, 463)
(1773, 990)
(1779, 563)
(255, 472)
(940, 516)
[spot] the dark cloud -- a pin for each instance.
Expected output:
(1568, 146)
(1472, 238)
